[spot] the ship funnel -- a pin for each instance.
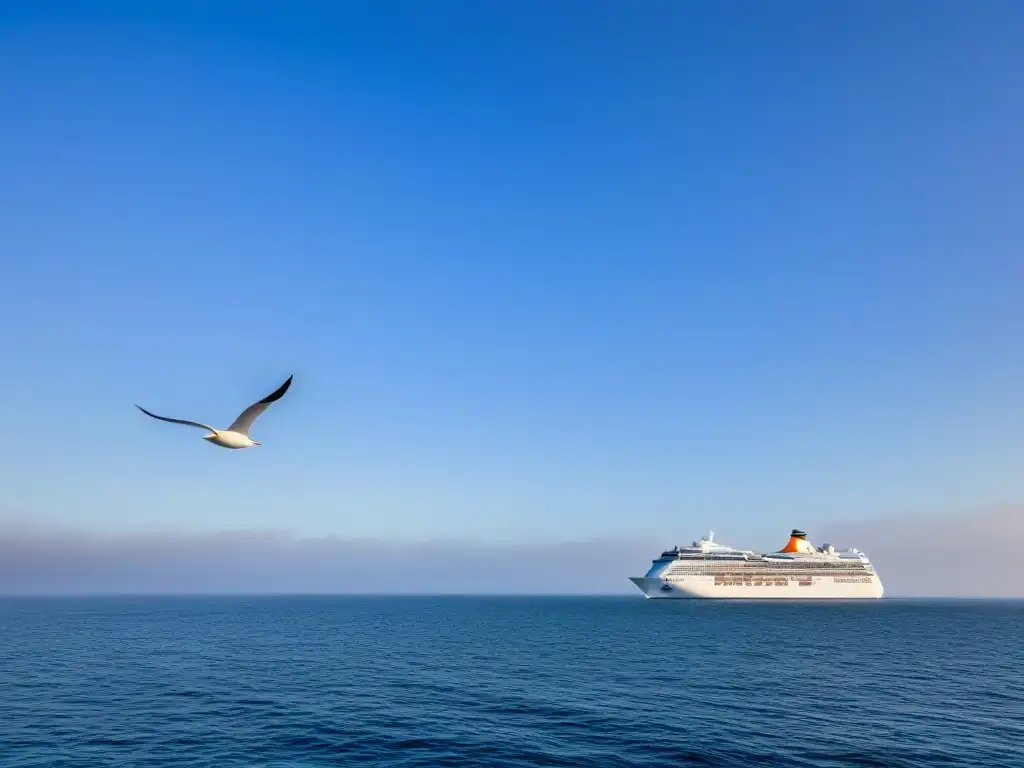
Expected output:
(798, 543)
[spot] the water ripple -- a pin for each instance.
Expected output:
(509, 682)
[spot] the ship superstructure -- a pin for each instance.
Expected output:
(707, 569)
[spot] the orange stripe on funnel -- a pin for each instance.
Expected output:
(797, 543)
(793, 545)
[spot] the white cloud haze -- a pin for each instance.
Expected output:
(976, 555)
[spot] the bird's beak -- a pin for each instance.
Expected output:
(255, 443)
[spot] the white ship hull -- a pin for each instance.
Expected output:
(859, 587)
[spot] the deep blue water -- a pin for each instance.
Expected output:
(490, 681)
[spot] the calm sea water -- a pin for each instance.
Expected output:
(460, 681)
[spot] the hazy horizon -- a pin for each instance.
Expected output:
(915, 557)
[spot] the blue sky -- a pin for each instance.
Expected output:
(542, 271)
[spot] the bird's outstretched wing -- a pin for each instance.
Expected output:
(248, 416)
(176, 421)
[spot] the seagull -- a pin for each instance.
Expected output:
(237, 435)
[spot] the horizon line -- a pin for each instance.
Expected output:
(540, 595)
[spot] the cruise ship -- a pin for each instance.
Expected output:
(707, 569)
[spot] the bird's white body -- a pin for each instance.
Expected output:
(229, 439)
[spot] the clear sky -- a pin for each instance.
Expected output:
(542, 271)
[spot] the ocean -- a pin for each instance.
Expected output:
(509, 681)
